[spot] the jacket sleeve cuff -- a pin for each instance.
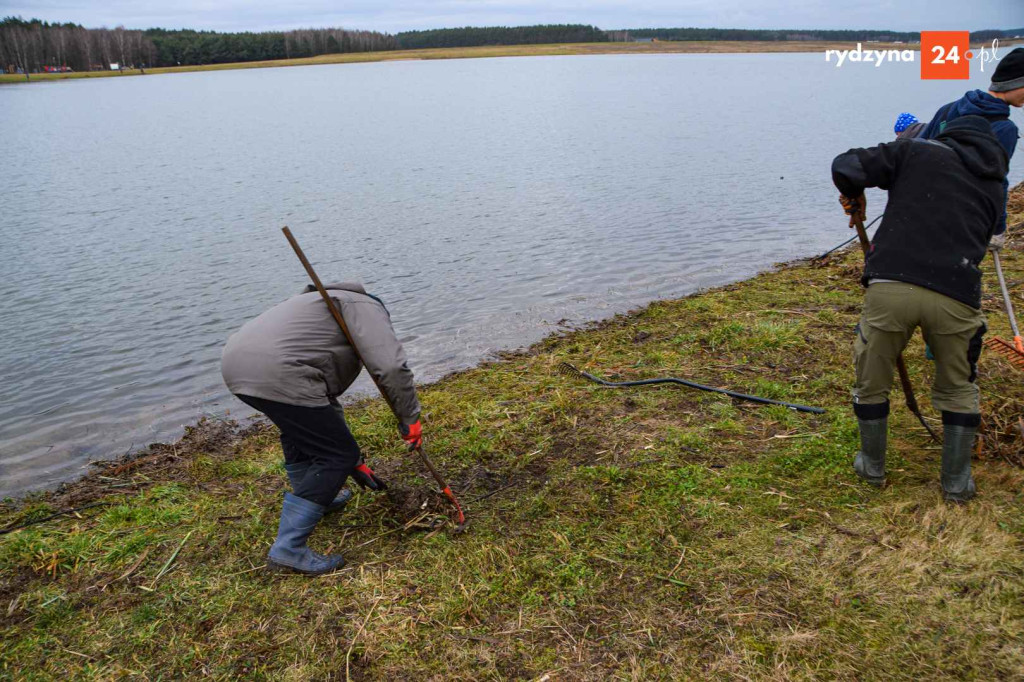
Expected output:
(848, 174)
(1000, 226)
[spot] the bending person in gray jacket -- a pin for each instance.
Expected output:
(291, 363)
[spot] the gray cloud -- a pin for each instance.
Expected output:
(398, 15)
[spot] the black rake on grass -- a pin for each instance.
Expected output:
(566, 368)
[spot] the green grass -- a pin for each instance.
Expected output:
(650, 533)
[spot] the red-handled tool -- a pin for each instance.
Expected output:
(444, 487)
(1017, 342)
(1012, 352)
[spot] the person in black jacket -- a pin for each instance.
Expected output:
(945, 203)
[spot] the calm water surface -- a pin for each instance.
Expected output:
(483, 200)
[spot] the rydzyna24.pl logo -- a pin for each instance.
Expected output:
(945, 55)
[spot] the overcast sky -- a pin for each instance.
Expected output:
(399, 15)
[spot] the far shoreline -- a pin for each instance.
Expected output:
(485, 51)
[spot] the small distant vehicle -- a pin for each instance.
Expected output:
(57, 69)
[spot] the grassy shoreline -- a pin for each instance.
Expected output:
(663, 47)
(615, 534)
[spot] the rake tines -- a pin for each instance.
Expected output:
(1007, 350)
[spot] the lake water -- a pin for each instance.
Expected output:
(483, 200)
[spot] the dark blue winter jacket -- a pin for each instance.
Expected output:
(979, 103)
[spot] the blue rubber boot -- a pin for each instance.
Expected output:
(289, 551)
(297, 471)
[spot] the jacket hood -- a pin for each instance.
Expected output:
(980, 103)
(344, 286)
(972, 139)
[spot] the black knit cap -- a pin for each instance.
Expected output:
(1009, 74)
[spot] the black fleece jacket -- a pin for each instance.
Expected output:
(945, 200)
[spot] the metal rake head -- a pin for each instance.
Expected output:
(1007, 350)
(567, 369)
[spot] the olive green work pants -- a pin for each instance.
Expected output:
(953, 330)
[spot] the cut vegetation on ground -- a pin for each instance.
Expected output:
(649, 533)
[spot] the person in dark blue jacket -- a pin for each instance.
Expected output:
(1005, 91)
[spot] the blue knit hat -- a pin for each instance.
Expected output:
(904, 121)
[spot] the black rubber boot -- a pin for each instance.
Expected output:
(297, 471)
(958, 432)
(289, 551)
(869, 463)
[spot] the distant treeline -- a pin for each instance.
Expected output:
(209, 47)
(471, 36)
(33, 46)
(749, 34)
(985, 36)
(579, 33)
(790, 34)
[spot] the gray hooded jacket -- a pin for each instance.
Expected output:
(296, 354)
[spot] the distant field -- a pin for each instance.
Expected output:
(491, 51)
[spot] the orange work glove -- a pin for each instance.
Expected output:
(412, 434)
(856, 208)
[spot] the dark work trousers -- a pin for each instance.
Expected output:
(318, 435)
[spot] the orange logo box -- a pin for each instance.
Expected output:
(945, 55)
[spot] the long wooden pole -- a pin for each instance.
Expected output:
(336, 314)
(901, 365)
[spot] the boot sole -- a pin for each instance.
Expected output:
(276, 568)
(336, 510)
(335, 507)
(877, 481)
